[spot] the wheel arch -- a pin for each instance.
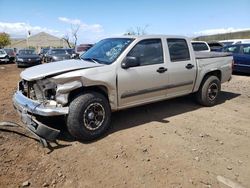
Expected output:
(81, 90)
(199, 84)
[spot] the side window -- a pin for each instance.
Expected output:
(199, 46)
(148, 52)
(246, 50)
(232, 49)
(178, 49)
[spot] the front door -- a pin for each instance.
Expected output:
(146, 82)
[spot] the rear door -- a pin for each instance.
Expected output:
(242, 59)
(181, 67)
(146, 82)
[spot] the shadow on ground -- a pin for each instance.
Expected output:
(241, 74)
(159, 112)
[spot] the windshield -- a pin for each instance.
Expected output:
(44, 51)
(2, 52)
(70, 51)
(27, 52)
(58, 51)
(106, 51)
(8, 51)
(227, 43)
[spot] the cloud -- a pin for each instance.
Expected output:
(95, 28)
(20, 29)
(70, 21)
(220, 31)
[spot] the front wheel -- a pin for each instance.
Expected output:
(209, 91)
(89, 116)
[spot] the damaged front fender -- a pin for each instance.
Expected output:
(63, 90)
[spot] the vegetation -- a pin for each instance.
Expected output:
(137, 31)
(4, 40)
(226, 36)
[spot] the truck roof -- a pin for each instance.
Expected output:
(151, 36)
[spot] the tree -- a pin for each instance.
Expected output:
(137, 30)
(4, 40)
(74, 32)
(66, 38)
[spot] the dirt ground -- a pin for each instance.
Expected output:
(174, 143)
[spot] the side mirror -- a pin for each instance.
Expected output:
(130, 61)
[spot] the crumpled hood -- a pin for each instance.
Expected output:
(49, 69)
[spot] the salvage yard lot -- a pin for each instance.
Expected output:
(174, 143)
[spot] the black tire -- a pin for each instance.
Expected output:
(209, 91)
(89, 108)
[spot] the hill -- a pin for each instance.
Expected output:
(38, 41)
(225, 36)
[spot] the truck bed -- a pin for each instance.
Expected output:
(204, 55)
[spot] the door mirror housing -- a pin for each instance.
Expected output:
(130, 61)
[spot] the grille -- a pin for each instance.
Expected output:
(27, 89)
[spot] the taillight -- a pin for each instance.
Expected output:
(232, 64)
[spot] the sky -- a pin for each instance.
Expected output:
(98, 19)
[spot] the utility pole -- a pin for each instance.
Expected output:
(27, 39)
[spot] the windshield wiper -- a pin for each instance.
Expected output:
(91, 59)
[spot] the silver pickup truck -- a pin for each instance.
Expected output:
(117, 73)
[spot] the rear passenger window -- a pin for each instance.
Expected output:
(178, 49)
(246, 50)
(148, 52)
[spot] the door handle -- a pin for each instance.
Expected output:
(189, 66)
(162, 70)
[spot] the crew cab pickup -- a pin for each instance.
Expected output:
(117, 73)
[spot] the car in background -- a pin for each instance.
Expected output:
(72, 52)
(43, 52)
(57, 54)
(3, 56)
(235, 41)
(200, 46)
(241, 55)
(11, 53)
(215, 46)
(82, 48)
(27, 58)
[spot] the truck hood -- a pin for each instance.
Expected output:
(50, 69)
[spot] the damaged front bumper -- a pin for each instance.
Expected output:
(28, 109)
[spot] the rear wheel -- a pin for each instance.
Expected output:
(89, 116)
(209, 91)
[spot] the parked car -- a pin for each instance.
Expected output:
(82, 48)
(200, 46)
(58, 54)
(43, 52)
(72, 52)
(11, 53)
(117, 73)
(27, 58)
(241, 55)
(234, 41)
(215, 46)
(3, 56)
